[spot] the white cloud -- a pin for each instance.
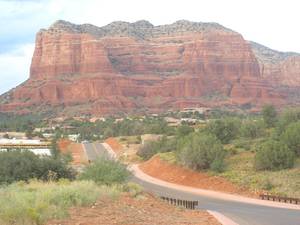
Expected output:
(272, 23)
(14, 66)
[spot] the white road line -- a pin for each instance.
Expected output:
(85, 153)
(111, 153)
(95, 150)
(221, 218)
(213, 194)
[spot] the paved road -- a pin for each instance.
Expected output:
(239, 212)
(95, 151)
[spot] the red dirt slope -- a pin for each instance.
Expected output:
(76, 149)
(176, 174)
(134, 211)
(114, 144)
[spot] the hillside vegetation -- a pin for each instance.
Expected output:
(36, 202)
(36, 189)
(260, 152)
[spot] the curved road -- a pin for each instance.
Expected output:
(243, 213)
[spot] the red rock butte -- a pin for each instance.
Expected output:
(138, 67)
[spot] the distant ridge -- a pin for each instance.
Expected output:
(267, 54)
(139, 29)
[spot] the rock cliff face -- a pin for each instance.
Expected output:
(281, 69)
(140, 67)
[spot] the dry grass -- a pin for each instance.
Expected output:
(37, 202)
(240, 170)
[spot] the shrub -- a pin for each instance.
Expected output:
(147, 150)
(37, 202)
(184, 130)
(243, 143)
(218, 165)
(17, 165)
(202, 152)
(53, 169)
(252, 129)
(153, 147)
(266, 185)
(105, 172)
(224, 129)
(291, 137)
(133, 189)
(288, 117)
(273, 155)
(269, 115)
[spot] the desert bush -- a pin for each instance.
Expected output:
(291, 137)
(147, 150)
(243, 143)
(105, 172)
(273, 155)
(266, 185)
(37, 202)
(24, 165)
(184, 130)
(202, 152)
(269, 115)
(252, 129)
(151, 148)
(217, 165)
(288, 117)
(224, 129)
(133, 189)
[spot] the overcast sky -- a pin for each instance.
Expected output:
(274, 23)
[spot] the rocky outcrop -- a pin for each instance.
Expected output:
(280, 68)
(140, 67)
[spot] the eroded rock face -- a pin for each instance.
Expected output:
(280, 68)
(138, 66)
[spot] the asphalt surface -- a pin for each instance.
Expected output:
(95, 151)
(241, 213)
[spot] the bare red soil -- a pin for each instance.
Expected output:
(63, 145)
(135, 211)
(114, 144)
(76, 150)
(166, 171)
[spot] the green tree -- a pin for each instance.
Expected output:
(153, 147)
(273, 155)
(252, 129)
(16, 165)
(224, 129)
(105, 172)
(286, 118)
(269, 115)
(291, 137)
(184, 130)
(202, 151)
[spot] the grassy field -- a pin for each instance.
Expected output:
(37, 202)
(240, 170)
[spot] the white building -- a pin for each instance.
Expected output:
(6, 144)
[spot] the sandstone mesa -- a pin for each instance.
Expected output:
(138, 67)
